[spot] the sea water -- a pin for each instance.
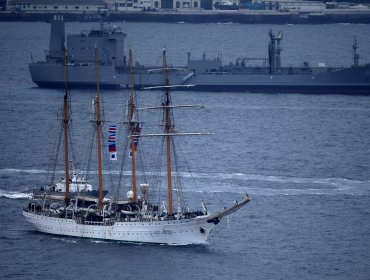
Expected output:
(304, 160)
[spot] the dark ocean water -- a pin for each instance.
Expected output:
(304, 159)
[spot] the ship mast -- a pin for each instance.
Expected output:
(168, 131)
(169, 126)
(98, 127)
(66, 121)
(133, 123)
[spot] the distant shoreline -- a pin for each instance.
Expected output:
(199, 17)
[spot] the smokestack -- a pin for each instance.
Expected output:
(57, 37)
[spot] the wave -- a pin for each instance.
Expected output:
(238, 182)
(337, 182)
(222, 176)
(100, 241)
(243, 190)
(6, 171)
(65, 240)
(298, 108)
(268, 185)
(15, 195)
(9, 171)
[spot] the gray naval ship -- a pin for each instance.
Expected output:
(197, 75)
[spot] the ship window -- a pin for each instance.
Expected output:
(77, 7)
(56, 7)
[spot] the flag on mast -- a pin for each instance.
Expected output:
(112, 142)
(112, 129)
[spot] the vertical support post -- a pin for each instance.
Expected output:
(66, 121)
(168, 130)
(98, 128)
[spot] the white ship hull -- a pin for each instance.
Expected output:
(179, 232)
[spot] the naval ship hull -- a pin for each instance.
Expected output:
(198, 74)
(352, 80)
(51, 75)
(179, 232)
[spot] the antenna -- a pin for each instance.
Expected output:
(278, 50)
(356, 56)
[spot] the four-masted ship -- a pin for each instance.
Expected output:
(134, 219)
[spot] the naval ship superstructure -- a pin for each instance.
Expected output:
(197, 75)
(271, 76)
(114, 70)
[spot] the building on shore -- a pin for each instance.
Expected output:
(57, 6)
(96, 5)
(292, 6)
(300, 6)
(115, 5)
(182, 6)
(135, 5)
(149, 5)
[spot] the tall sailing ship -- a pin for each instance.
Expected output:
(135, 218)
